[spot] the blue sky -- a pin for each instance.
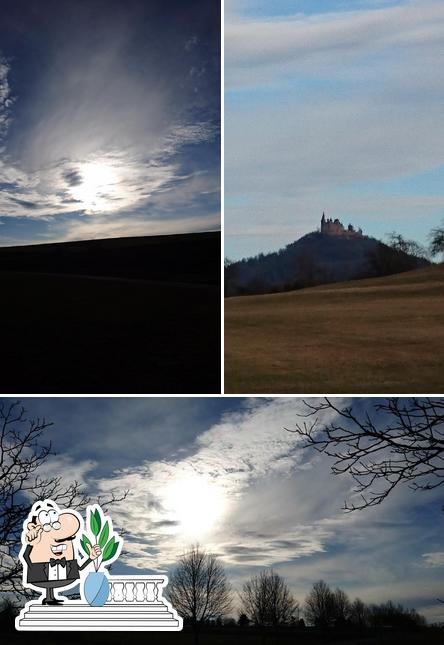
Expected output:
(109, 119)
(332, 106)
(225, 473)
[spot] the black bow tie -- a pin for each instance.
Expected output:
(53, 562)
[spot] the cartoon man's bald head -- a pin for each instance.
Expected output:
(51, 532)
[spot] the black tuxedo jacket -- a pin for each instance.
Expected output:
(38, 571)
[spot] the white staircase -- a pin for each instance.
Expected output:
(135, 604)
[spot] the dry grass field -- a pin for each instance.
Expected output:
(367, 336)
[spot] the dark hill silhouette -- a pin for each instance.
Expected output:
(192, 257)
(317, 258)
(127, 315)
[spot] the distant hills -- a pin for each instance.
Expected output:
(317, 258)
(192, 258)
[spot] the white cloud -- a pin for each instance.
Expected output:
(131, 180)
(5, 98)
(229, 459)
(434, 559)
(102, 226)
(68, 470)
(311, 40)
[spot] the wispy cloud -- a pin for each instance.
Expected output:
(225, 480)
(226, 460)
(307, 42)
(6, 100)
(435, 559)
(104, 226)
(69, 185)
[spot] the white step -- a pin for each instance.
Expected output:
(114, 625)
(108, 608)
(90, 615)
(75, 616)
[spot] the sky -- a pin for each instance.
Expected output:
(224, 473)
(335, 106)
(109, 119)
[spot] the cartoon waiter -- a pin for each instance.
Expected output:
(49, 551)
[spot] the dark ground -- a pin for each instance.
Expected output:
(129, 315)
(223, 636)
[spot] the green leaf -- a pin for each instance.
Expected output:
(106, 553)
(92, 522)
(110, 550)
(99, 520)
(95, 522)
(84, 541)
(113, 550)
(104, 535)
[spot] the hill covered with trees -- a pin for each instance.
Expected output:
(320, 258)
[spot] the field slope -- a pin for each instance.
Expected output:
(381, 335)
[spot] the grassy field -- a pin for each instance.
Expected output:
(65, 333)
(367, 336)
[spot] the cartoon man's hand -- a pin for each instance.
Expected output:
(94, 551)
(33, 535)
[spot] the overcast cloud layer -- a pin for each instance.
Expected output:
(336, 110)
(109, 119)
(225, 473)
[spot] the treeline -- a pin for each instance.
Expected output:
(326, 608)
(267, 600)
(200, 591)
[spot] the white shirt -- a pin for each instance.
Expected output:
(57, 572)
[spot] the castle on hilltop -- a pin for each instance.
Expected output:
(335, 227)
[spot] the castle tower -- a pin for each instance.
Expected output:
(323, 227)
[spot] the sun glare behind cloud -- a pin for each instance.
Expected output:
(98, 186)
(196, 503)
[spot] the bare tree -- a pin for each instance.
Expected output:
(410, 247)
(198, 588)
(267, 600)
(401, 440)
(359, 614)
(342, 606)
(23, 455)
(320, 605)
(437, 240)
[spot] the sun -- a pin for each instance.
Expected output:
(196, 503)
(98, 186)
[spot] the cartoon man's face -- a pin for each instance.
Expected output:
(51, 534)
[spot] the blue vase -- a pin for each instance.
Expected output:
(96, 589)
